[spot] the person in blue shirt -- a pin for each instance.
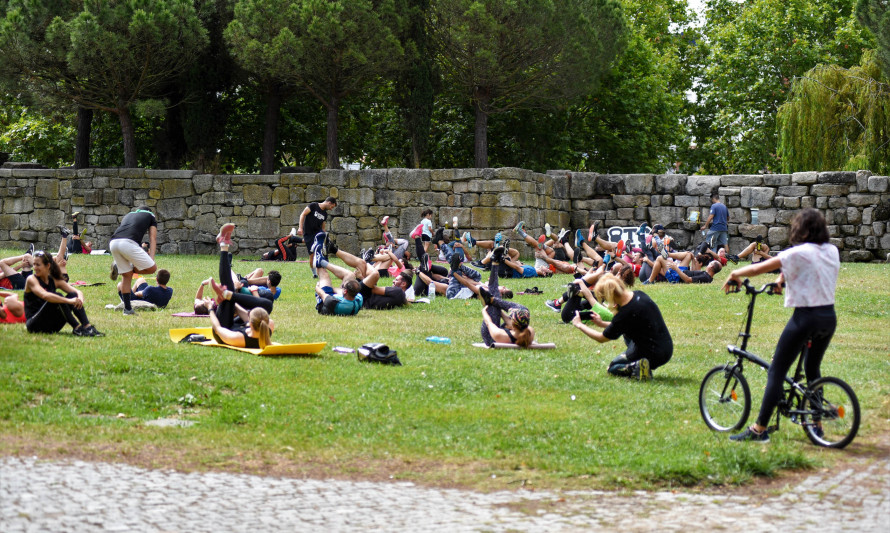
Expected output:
(159, 295)
(718, 234)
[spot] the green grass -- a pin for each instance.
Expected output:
(453, 414)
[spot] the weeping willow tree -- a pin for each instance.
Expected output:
(837, 119)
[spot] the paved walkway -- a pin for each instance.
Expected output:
(57, 496)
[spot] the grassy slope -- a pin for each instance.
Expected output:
(452, 414)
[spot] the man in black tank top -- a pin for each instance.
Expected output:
(126, 247)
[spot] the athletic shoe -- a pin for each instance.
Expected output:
(64, 231)
(498, 238)
(485, 295)
(387, 238)
(439, 236)
(649, 241)
(667, 241)
(579, 238)
(478, 264)
(664, 252)
(750, 435)
(555, 305)
(646, 282)
(619, 248)
(454, 221)
(384, 220)
(83, 233)
(518, 227)
(225, 234)
(66, 253)
(541, 240)
(734, 258)
(572, 290)
(641, 370)
(468, 239)
(114, 273)
(607, 259)
(93, 332)
(30, 249)
(427, 262)
(74, 215)
(331, 247)
(293, 232)
(417, 232)
(506, 245)
(592, 233)
(497, 255)
(320, 247)
(455, 262)
(577, 257)
(547, 230)
(368, 255)
(80, 331)
(643, 228)
(129, 311)
(562, 233)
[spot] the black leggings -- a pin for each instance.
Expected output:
(576, 303)
(74, 246)
(52, 317)
(420, 287)
(225, 311)
(807, 323)
(494, 310)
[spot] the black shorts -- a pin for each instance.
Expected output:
(16, 281)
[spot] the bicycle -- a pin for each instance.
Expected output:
(827, 408)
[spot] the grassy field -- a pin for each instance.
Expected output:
(452, 415)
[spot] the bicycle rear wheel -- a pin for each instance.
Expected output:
(724, 399)
(831, 413)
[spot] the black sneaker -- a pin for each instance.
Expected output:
(80, 331)
(368, 255)
(439, 236)
(555, 305)
(64, 231)
(573, 289)
(455, 262)
(478, 264)
(734, 258)
(577, 257)
(93, 332)
(641, 370)
(332, 247)
(497, 255)
(30, 250)
(485, 295)
(750, 435)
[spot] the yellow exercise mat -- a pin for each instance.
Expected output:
(178, 334)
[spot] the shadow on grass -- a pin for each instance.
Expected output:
(676, 381)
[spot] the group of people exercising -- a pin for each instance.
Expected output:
(599, 301)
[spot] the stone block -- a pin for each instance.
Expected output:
(344, 225)
(638, 183)
(837, 202)
(878, 184)
(47, 188)
(32, 172)
(430, 198)
(724, 192)
(687, 201)
(18, 205)
(863, 200)
(807, 201)
(256, 194)
(861, 256)
(593, 205)
(280, 195)
(464, 174)
(372, 178)
(854, 216)
(331, 177)
(793, 190)
(310, 178)
(506, 173)
(702, 185)
(776, 180)
(561, 186)
(783, 217)
(804, 178)
(408, 179)
(877, 228)
(629, 200)
(778, 235)
(45, 220)
(760, 197)
(625, 213)
(737, 214)
(885, 241)
(670, 184)
(582, 185)
(666, 216)
(791, 203)
(176, 188)
(493, 186)
(837, 178)
(494, 217)
(852, 243)
(171, 208)
(750, 231)
(202, 183)
(741, 180)
(609, 184)
(847, 229)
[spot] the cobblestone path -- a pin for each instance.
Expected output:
(76, 496)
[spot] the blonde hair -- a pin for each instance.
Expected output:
(610, 289)
(259, 323)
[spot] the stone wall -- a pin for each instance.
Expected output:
(192, 206)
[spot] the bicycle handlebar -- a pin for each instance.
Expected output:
(769, 288)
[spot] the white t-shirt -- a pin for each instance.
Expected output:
(810, 274)
(427, 227)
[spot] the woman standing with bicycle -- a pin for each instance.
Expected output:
(809, 268)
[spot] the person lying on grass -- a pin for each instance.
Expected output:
(503, 321)
(240, 320)
(373, 297)
(12, 311)
(45, 309)
(637, 317)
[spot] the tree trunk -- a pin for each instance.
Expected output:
(333, 124)
(415, 151)
(129, 136)
(270, 136)
(82, 145)
(169, 141)
(480, 145)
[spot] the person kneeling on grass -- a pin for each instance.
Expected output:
(47, 311)
(637, 317)
(515, 328)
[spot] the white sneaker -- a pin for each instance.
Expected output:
(293, 232)
(547, 230)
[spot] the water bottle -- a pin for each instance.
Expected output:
(431, 292)
(439, 340)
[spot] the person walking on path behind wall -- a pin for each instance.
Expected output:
(312, 223)
(718, 234)
(126, 248)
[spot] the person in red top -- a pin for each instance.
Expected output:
(12, 311)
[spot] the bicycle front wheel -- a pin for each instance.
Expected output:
(830, 413)
(724, 399)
